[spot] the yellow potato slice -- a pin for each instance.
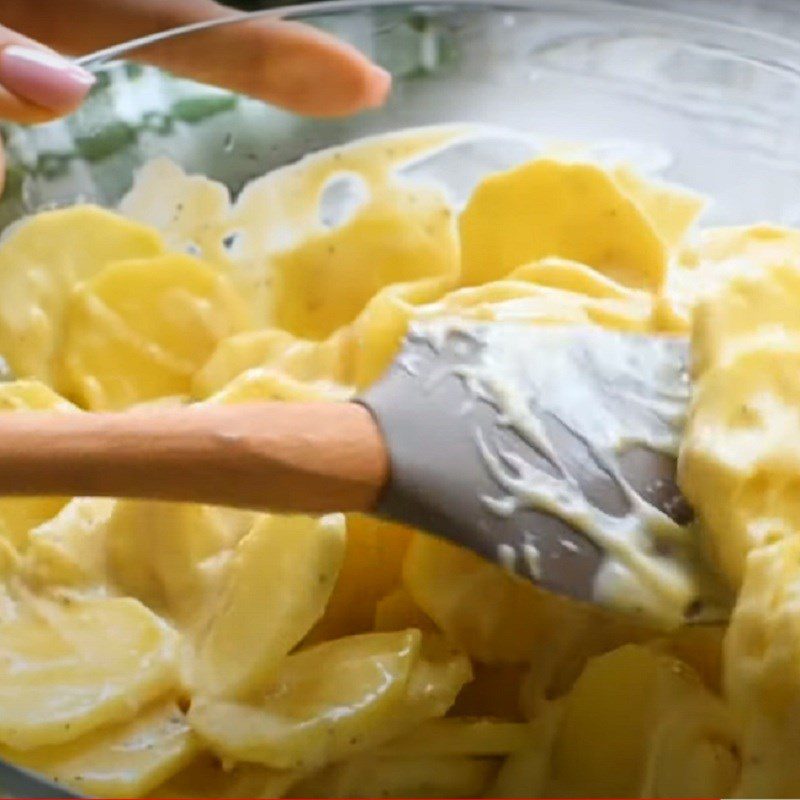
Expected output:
(398, 611)
(717, 256)
(526, 771)
(139, 330)
(270, 349)
(156, 551)
(740, 455)
(274, 589)
(699, 646)
(262, 384)
(749, 311)
(492, 615)
(327, 280)
(69, 667)
(40, 262)
(762, 670)
(559, 208)
(120, 761)
(495, 691)
(206, 777)
(326, 702)
(638, 724)
(413, 776)
(532, 295)
(670, 208)
(372, 341)
(459, 737)
(18, 515)
(371, 568)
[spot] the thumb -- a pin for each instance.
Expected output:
(36, 83)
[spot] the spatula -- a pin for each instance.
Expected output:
(546, 449)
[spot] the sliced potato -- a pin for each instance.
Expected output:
(493, 616)
(559, 208)
(274, 589)
(41, 260)
(459, 736)
(338, 698)
(260, 384)
(70, 548)
(124, 760)
(397, 611)
(526, 771)
(156, 551)
(206, 777)
(372, 565)
(401, 776)
(70, 666)
(18, 515)
(640, 724)
(274, 350)
(670, 208)
(140, 329)
(326, 702)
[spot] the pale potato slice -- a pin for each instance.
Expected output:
(124, 760)
(41, 260)
(337, 698)
(274, 589)
(156, 551)
(18, 515)
(401, 776)
(326, 702)
(440, 672)
(70, 548)
(207, 777)
(559, 208)
(140, 329)
(70, 666)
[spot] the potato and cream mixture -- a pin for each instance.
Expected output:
(183, 650)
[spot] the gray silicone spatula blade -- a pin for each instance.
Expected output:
(543, 448)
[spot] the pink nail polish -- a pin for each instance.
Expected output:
(43, 77)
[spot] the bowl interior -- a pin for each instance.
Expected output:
(709, 105)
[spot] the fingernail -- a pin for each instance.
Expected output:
(43, 77)
(378, 86)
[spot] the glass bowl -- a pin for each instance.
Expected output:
(711, 105)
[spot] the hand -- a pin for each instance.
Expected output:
(285, 63)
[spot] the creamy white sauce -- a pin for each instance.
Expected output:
(613, 391)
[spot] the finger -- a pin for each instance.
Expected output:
(285, 63)
(37, 84)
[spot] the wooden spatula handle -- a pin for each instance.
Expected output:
(312, 457)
